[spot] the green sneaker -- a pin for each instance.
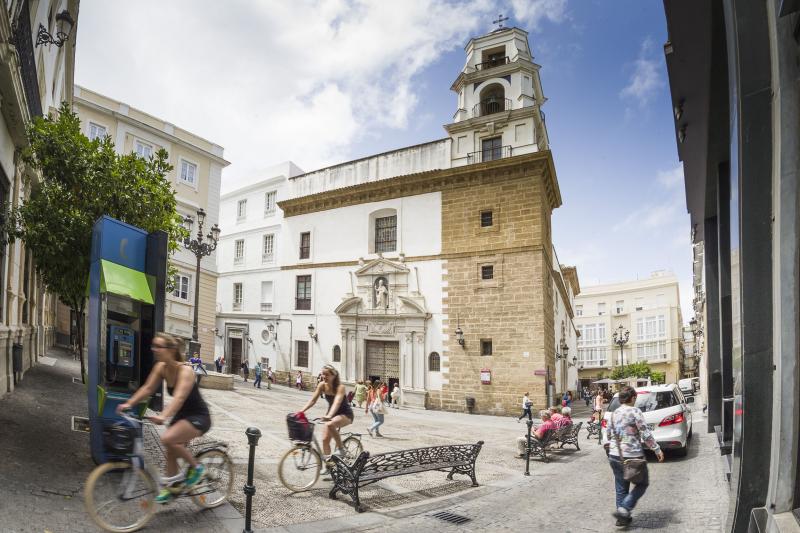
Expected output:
(165, 496)
(194, 475)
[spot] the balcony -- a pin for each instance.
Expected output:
(489, 154)
(23, 40)
(493, 62)
(237, 306)
(238, 260)
(267, 258)
(490, 106)
(266, 307)
(302, 304)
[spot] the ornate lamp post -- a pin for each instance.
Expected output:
(621, 336)
(201, 247)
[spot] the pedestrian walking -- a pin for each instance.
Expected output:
(298, 381)
(385, 393)
(257, 382)
(245, 370)
(566, 399)
(270, 377)
(597, 408)
(360, 393)
(217, 364)
(376, 409)
(526, 407)
(627, 432)
(396, 396)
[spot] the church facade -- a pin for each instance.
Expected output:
(432, 266)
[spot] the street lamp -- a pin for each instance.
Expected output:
(201, 247)
(64, 24)
(621, 337)
(311, 333)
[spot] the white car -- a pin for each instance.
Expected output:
(689, 386)
(667, 413)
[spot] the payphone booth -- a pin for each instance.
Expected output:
(127, 281)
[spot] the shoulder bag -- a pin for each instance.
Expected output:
(633, 469)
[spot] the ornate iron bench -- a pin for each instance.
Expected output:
(569, 435)
(368, 469)
(538, 448)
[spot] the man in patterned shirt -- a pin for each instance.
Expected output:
(628, 425)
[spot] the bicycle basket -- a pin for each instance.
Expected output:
(119, 439)
(299, 430)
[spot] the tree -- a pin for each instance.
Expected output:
(81, 180)
(634, 370)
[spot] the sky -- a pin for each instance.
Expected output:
(322, 82)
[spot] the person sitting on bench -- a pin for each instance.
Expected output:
(539, 434)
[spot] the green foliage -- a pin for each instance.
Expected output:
(634, 370)
(82, 180)
(658, 377)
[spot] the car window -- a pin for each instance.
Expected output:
(650, 401)
(614, 405)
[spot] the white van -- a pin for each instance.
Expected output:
(689, 386)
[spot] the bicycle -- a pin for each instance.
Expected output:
(120, 495)
(299, 468)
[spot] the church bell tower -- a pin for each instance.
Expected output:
(499, 100)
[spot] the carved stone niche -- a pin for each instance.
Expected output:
(382, 286)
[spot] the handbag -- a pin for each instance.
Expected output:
(377, 406)
(634, 469)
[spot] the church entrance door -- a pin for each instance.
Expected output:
(383, 361)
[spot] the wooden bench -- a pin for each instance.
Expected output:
(368, 469)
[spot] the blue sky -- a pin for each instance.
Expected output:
(324, 81)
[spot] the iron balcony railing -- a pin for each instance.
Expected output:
(494, 62)
(489, 154)
(490, 106)
(302, 304)
(23, 40)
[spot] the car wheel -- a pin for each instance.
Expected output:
(682, 452)
(689, 435)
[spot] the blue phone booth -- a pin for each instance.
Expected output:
(127, 281)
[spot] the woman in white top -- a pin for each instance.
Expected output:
(526, 407)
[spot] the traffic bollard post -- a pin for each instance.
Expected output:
(528, 450)
(253, 434)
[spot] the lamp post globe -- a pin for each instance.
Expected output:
(621, 336)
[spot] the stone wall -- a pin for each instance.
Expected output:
(514, 309)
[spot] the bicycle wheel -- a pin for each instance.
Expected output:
(119, 497)
(299, 468)
(217, 484)
(352, 449)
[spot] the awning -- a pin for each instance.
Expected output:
(605, 381)
(118, 279)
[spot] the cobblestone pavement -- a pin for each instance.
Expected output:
(45, 463)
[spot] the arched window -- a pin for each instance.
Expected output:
(337, 354)
(383, 231)
(434, 364)
(492, 100)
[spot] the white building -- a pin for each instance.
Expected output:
(649, 310)
(565, 288)
(248, 260)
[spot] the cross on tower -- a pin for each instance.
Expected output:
(499, 21)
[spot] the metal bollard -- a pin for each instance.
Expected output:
(528, 451)
(253, 434)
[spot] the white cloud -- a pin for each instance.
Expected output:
(671, 179)
(532, 12)
(646, 79)
(272, 80)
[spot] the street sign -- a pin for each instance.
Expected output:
(486, 376)
(540, 372)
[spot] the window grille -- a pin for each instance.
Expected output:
(386, 234)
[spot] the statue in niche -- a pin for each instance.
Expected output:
(381, 293)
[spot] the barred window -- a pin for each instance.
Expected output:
(486, 219)
(487, 272)
(434, 362)
(386, 234)
(486, 346)
(302, 354)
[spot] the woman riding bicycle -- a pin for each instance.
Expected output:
(339, 412)
(190, 416)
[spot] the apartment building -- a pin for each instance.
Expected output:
(648, 310)
(196, 177)
(37, 66)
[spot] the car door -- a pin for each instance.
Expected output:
(685, 407)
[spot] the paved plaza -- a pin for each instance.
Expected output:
(47, 463)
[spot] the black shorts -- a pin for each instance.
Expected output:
(200, 422)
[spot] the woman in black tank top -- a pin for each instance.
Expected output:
(190, 416)
(339, 412)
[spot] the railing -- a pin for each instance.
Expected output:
(489, 154)
(23, 40)
(491, 106)
(266, 307)
(237, 306)
(238, 260)
(495, 62)
(302, 304)
(267, 258)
